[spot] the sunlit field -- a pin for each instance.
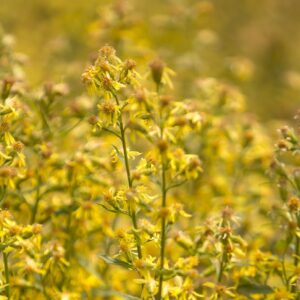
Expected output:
(149, 150)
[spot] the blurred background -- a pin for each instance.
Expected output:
(254, 45)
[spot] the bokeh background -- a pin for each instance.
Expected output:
(254, 45)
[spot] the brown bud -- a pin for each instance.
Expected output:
(107, 83)
(107, 196)
(124, 246)
(37, 228)
(180, 121)
(140, 95)
(93, 120)
(164, 212)
(18, 146)
(157, 68)
(227, 212)
(162, 145)
(4, 127)
(120, 233)
(248, 138)
(165, 100)
(104, 66)
(8, 172)
(293, 204)
(129, 64)
(136, 175)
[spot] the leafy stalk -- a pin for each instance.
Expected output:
(6, 271)
(164, 191)
(132, 212)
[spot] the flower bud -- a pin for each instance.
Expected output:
(93, 120)
(107, 51)
(165, 100)
(8, 82)
(18, 146)
(293, 204)
(162, 145)
(157, 68)
(129, 64)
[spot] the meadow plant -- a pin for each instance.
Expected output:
(131, 193)
(129, 111)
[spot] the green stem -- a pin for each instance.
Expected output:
(222, 265)
(163, 205)
(297, 253)
(127, 167)
(37, 201)
(163, 232)
(6, 270)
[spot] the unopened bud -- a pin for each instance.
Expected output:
(157, 68)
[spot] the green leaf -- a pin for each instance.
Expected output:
(248, 287)
(115, 261)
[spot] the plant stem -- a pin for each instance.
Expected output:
(163, 232)
(163, 205)
(6, 270)
(297, 253)
(132, 211)
(222, 265)
(37, 201)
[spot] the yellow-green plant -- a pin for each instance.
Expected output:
(128, 111)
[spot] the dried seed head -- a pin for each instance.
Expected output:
(18, 146)
(129, 64)
(107, 51)
(108, 107)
